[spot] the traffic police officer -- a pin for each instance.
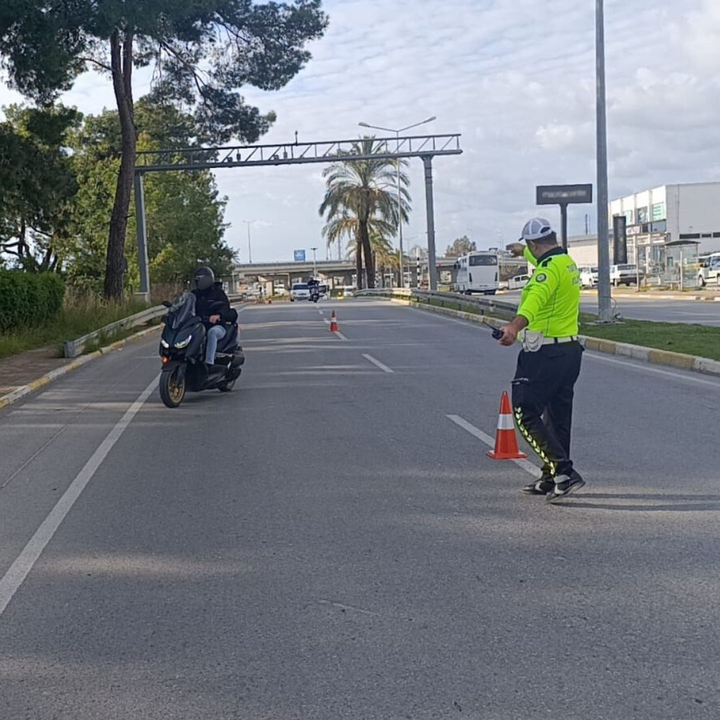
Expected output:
(549, 363)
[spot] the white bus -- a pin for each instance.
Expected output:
(477, 273)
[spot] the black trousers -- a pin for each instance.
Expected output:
(542, 396)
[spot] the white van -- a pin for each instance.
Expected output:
(589, 277)
(625, 275)
(300, 291)
(477, 272)
(709, 269)
(515, 283)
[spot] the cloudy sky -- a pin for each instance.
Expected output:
(516, 78)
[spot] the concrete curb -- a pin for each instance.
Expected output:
(692, 363)
(53, 375)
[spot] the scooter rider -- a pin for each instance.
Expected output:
(213, 306)
(314, 287)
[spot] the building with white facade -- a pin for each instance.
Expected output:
(584, 250)
(656, 217)
(667, 214)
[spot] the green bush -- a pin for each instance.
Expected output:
(28, 299)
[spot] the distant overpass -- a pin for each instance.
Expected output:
(339, 273)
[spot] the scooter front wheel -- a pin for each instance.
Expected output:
(172, 386)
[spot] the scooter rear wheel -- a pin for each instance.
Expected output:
(172, 387)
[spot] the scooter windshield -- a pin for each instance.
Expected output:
(182, 311)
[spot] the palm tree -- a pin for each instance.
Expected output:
(385, 257)
(361, 200)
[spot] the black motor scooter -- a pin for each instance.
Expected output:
(182, 349)
(314, 287)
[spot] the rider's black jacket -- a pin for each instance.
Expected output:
(205, 299)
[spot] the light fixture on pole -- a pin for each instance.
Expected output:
(399, 190)
(604, 293)
(249, 223)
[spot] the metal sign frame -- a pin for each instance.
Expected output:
(564, 195)
(425, 147)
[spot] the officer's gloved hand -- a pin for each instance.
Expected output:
(516, 249)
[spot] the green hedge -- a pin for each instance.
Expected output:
(29, 300)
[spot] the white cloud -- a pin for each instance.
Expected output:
(699, 35)
(516, 78)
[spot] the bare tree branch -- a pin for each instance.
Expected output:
(96, 62)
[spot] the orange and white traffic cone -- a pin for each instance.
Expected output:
(506, 444)
(334, 327)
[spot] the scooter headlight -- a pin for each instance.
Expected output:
(165, 344)
(183, 343)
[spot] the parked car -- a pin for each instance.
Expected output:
(280, 291)
(300, 291)
(514, 283)
(625, 275)
(589, 277)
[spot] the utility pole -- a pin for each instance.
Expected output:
(604, 292)
(249, 223)
(314, 249)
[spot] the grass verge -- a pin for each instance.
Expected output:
(75, 320)
(700, 340)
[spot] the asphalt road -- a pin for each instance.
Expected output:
(330, 541)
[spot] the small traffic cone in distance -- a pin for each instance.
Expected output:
(334, 327)
(506, 444)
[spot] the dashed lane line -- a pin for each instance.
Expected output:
(526, 465)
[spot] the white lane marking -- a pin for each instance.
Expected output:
(526, 465)
(377, 363)
(20, 569)
(650, 369)
(322, 312)
(327, 322)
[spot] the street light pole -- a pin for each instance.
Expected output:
(400, 222)
(249, 223)
(604, 292)
(399, 188)
(314, 249)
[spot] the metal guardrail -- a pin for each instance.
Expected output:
(485, 305)
(75, 348)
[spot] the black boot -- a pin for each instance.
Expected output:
(542, 486)
(565, 484)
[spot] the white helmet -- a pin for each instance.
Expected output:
(536, 229)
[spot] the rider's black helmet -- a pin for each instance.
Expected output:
(204, 278)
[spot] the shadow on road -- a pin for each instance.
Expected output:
(652, 502)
